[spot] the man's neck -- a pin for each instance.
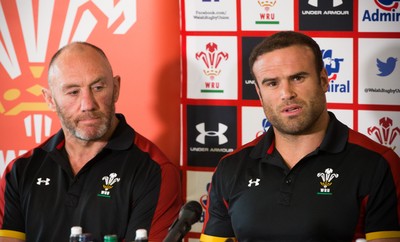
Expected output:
(81, 152)
(295, 147)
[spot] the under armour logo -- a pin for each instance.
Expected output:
(201, 138)
(335, 3)
(255, 182)
(41, 181)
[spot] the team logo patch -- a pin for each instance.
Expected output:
(109, 181)
(327, 178)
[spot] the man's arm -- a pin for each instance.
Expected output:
(169, 202)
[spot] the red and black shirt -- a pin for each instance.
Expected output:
(347, 188)
(129, 185)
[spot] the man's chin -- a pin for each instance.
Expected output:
(89, 136)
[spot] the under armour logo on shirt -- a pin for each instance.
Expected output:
(256, 182)
(40, 181)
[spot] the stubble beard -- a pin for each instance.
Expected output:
(92, 133)
(298, 125)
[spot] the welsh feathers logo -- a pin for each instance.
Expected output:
(109, 182)
(326, 182)
(211, 59)
(385, 132)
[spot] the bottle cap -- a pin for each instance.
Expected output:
(110, 238)
(141, 234)
(76, 230)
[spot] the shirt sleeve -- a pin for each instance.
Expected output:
(382, 206)
(11, 219)
(162, 196)
(217, 225)
(169, 202)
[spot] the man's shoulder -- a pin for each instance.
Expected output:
(366, 142)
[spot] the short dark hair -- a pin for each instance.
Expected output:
(285, 39)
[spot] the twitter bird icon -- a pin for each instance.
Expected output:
(386, 68)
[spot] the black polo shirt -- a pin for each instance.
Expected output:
(129, 185)
(343, 190)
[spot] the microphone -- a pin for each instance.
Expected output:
(189, 214)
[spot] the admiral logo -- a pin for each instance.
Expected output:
(268, 15)
(387, 11)
(332, 66)
(212, 59)
(385, 133)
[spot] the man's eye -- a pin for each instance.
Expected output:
(98, 88)
(298, 78)
(74, 92)
(270, 84)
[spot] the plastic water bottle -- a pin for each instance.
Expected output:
(85, 237)
(141, 235)
(75, 232)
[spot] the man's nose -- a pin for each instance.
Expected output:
(88, 101)
(287, 91)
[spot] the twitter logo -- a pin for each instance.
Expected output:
(386, 68)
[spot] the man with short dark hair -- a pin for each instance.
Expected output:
(309, 177)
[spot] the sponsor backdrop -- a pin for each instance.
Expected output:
(220, 109)
(127, 30)
(204, 76)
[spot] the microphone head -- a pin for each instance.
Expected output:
(191, 212)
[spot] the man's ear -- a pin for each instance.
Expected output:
(323, 76)
(48, 97)
(117, 87)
